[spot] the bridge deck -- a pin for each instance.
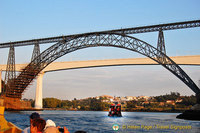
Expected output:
(142, 29)
(57, 66)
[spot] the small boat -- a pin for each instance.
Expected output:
(115, 110)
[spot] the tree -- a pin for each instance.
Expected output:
(172, 96)
(51, 103)
(188, 100)
(74, 103)
(66, 104)
(131, 104)
(32, 102)
(96, 104)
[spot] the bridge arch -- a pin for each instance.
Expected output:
(95, 40)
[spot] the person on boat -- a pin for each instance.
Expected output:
(37, 125)
(115, 110)
(112, 110)
(49, 123)
(33, 116)
(50, 127)
(118, 110)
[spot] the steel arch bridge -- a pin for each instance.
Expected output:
(107, 39)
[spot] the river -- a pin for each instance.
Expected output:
(99, 122)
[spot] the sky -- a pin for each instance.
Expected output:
(24, 20)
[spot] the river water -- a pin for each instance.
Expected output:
(99, 122)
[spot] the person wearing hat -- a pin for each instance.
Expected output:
(50, 127)
(33, 116)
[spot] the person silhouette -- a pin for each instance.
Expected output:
(33, 116)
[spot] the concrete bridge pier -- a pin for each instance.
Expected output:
(38, 93)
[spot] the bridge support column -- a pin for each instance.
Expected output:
(36, 52)
(38, 93)
(161, 46)
(10, 69)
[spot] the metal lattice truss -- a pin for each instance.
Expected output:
(36, 52)
(161, 46)
(142, 29)
(95, 40)
(10, 74)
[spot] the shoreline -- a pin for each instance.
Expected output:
(60, 109)
(156, 110)
(32, 109)
(135, 110)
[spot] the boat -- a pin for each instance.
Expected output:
(115, 110)
(5, 126)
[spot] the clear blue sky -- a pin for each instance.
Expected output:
(23, 20)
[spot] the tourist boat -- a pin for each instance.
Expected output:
(7, 127)
(115, 110)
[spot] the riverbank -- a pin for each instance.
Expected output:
(167, 110)
(29, 109)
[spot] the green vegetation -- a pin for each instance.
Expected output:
(168, 102)
(85, 104)
(173, 96)
(51, 103)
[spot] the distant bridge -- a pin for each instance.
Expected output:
(120, 38)
(59, 66)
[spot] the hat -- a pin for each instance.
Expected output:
(34, 115)
(50, 123)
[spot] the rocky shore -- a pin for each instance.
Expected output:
(192, 114)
